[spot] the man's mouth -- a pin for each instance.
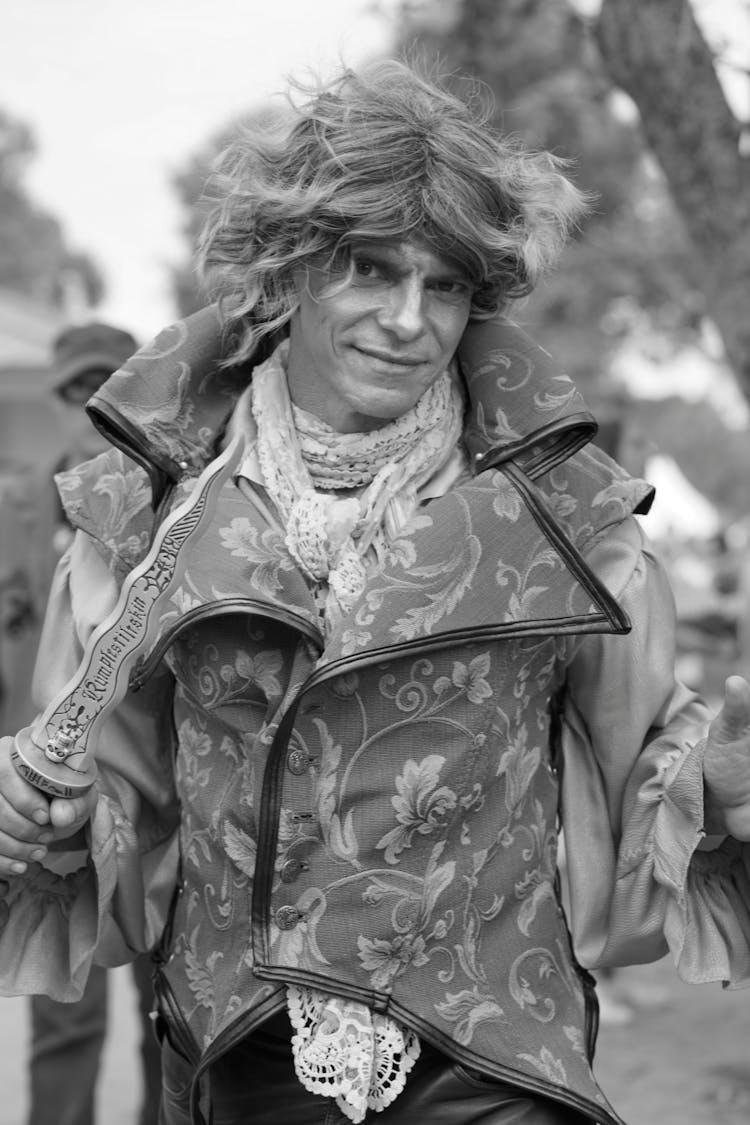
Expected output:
(391, 358)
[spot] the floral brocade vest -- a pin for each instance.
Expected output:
(376, 816)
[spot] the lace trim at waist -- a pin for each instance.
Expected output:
(342, 1050)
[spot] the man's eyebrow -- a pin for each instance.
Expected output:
(375, 246)
(452, 269)
(390, 249)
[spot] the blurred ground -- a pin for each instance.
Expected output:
(682, 1061)
(119, 1091)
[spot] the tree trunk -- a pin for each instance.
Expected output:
(654, 51)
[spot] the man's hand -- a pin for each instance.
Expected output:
(30, 821)
(726, 765)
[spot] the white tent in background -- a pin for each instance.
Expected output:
(679, 510)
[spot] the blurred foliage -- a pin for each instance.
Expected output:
(657, 52)
(34, 256)
(715, 459)
(193, 185)
(538, 60)
(544, 73)
(190, 186)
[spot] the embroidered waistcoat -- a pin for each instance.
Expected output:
(376, 815)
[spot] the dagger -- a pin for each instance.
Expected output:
(57, 752)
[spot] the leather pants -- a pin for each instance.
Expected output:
(255, 1082)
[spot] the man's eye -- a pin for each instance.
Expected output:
(452, 288)
(366, 269)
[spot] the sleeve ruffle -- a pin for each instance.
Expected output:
(50, 922)
(707, 913)
(111, 904)
(53, 926)
(633, 742)
(48, 926)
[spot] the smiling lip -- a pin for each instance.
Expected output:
(387, 357)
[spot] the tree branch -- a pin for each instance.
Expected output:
(654, 50)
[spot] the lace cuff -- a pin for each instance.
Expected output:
(48, 928)
(342, 1050)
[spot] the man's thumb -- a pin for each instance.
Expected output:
(734, 718)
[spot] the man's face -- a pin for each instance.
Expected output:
(79, 390)
(73, 397)
(364, 350)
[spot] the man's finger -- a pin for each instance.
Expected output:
(734, 718)
(17, 793)
(18, 825)
(70, 813)
(15, 855)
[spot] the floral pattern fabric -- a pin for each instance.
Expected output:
(430, 888)
(377, 817)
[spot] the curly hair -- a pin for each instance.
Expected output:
(383, 153)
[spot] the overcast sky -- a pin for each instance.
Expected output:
(119, 93)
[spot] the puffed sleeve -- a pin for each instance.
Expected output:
(632, 794)
(110, 901)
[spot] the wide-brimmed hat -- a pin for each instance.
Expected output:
(89, 347)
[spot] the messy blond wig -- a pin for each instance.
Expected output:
(383, 153)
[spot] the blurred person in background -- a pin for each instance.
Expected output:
(414, 628)
(27, 515)
(67, 1039)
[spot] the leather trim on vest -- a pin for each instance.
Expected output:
(242, 1027)
(398, 631)
(146, 667)
(614, 615)
(161, 470)
(169, 1010)
(544, 449)
(251, 1021)
(360, 641)
(171, 400)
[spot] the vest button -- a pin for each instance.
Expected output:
(287, 917)
(290, 870)
(298, 762)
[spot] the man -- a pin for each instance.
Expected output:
(401, 620)
(25, 572)
(67, 1040)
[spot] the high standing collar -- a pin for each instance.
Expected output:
(521, 406)
(168, 405)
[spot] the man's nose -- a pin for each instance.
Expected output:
(403, 313)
